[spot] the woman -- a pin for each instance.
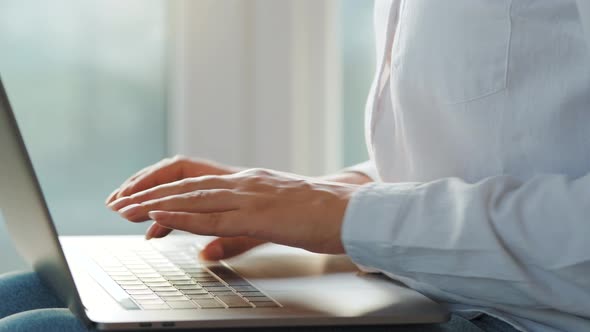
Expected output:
(476, 193)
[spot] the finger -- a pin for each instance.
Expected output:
(170, 189)
(168, 170)
(156, 232)
(202, 201)
(224, 248)
(222, 224)
(113, 195)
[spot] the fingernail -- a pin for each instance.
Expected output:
(111, 196)
(131, 211)
(161, 232)
(119, 203)
(150, 232)
(212, 253)
(158, 215)
(156, 231)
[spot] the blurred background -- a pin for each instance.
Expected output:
(102, 88)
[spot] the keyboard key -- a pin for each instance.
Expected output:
(220, 269)
(129, 282)
(237, 282)
(158, 284)
(171, 255)
(173, 273)
(172, 270)
(150, 277)
(164, 289)
(208, 303)
(258, 299)
(225, 274)
(182, 282)
(217, 289)
(175, 298)
(177, 277)
(234, 301)
(156, 279)
(266, 305)
(134, 287)
(155, 306)
(211, 284)
(165, 267)
(182, 305)
(199, 296)
(206, 279)
(199, 274)
(154, 258)
(160, 263)
(144, 271)
(183, 261)
(166, 294)
(138, 291)
(192, 268)
(150, 301)
(234, 279)
(194, 291)
(133, 267)
(245, 288)
(145, 297)
(184, 287)
(133, 262)
(252, 294)
(217, 293)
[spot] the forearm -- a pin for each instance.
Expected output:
(468, 242)
(348, 177)
(358, 174)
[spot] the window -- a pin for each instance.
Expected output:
(87, 82)
(358, 68)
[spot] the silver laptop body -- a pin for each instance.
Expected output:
(125, 282)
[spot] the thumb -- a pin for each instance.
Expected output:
(228, 247)
(157, 231)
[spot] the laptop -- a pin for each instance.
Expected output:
(126, 282)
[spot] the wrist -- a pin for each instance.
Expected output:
(349, 177)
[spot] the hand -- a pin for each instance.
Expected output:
(166, 171)
(254, 205)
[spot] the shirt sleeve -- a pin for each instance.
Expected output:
(501, 241)
(367, 168)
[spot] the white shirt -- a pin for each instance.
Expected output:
(478, 128)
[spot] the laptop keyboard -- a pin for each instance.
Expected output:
(159, 279)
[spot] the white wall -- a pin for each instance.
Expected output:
(256, 83)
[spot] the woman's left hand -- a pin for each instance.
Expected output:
(261, 204)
